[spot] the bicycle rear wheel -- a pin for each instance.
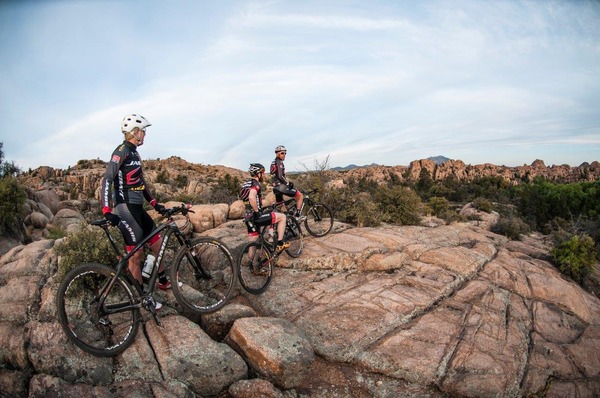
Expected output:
(255, 268)
(319, 220)
(85, 323)
(203, 275)
(293, 234)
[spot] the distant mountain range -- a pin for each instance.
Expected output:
(437, 159)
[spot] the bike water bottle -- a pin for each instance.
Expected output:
(148, 266)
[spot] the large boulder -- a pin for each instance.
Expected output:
(68, 219)
(275, 348)
(185, 352)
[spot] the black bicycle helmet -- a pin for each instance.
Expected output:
(255, 168)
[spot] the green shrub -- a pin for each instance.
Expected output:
(483, 204)
(12, 199)
(438, 205)
(451, 216)
(354, 208)
(512, 227)
(162, 177)
(86, 246)
(399, 205)
(181, 181)
(575, 257)
(57, 232)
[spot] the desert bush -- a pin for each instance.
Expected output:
(181, 181)
(85, 246)
(354, 208)
(438, 205)
(399, 205)
(225, 190)
(450, 217)
(511, 226)
(57, 232)
(162, 177)
(483, 204)
(12, 199)
(575, 257)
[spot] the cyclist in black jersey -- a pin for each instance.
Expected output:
(281, 186)
(123, 187)
(250, 193)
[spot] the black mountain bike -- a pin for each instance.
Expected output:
(257, 258)
(99, 306)
(317, 217)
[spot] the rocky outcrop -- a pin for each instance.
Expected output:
(458, 170)
(176, 177)
(383, 312)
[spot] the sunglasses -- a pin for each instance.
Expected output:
(282, 152)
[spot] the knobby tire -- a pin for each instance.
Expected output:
(319, 220)
(203, 292)
(293, 233)
(83, 321)
(255, 267)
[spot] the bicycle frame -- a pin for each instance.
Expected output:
(124, 262)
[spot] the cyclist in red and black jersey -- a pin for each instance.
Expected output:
(281, 186)
(124, 187)
(250, 193)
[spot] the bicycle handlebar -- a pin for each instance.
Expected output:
(184, 209)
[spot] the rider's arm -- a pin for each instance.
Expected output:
(253, 199)
(116, 160)
(148, 195)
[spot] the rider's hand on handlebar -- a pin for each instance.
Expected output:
(160, 208)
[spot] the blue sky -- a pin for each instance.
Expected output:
(354, 82)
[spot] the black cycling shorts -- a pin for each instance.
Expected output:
(264, 219)
(283, 189)
(135, 224)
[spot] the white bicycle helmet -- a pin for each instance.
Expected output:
(280, 148)
(132, 121)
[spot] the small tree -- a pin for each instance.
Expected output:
(12, 198)
(575, 257)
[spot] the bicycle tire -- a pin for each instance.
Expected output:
(201, 293)
(319, 220)
(293, 233)
(79, 316)
(255, 268)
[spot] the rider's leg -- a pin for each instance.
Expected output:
(299, 199)
(135, 267)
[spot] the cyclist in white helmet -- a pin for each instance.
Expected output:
(250, 193)
(281, 186)
(124, 177)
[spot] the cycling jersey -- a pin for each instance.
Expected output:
(277, 172)
(266, 218)
(124, 173)
(249, 185)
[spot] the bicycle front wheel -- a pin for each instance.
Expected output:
(255, 267)
(89, 326)
(293, 234)
(319, 220)
(203, 275)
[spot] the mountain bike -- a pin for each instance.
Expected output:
(99, 306)
(317, 217)
(257, 258)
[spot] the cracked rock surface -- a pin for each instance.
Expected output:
(441, 311)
